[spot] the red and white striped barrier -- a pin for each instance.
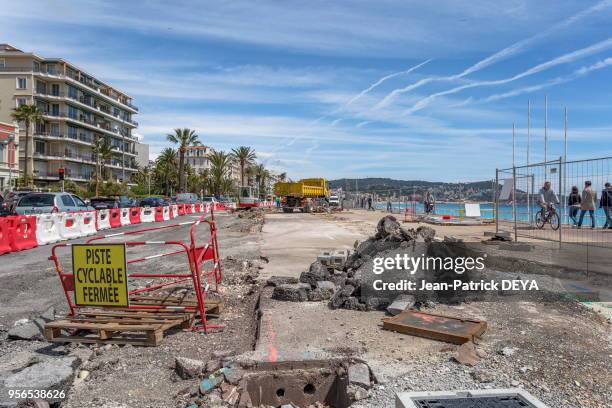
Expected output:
(24, 232)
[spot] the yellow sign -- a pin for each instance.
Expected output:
(100, 275)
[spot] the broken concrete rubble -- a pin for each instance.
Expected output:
(401, 303)
(187, 368)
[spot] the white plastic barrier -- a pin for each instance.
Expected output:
(174, 211)
(103, 219)
(47, 228)
(166, 213)
(206, 208)
(69, 226)
(147, 214)
(125, 216)
(87, 222)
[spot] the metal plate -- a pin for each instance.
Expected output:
(514, 401)
(437, 327)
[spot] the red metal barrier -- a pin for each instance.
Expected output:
(5, 244)
(181, 209)
(22, 232)
(197, 255)
(115, 217)
(159, 214)
(135, 215)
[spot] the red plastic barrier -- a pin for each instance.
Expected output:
(220, 206)
(5, 244)
(135, 215)
(159, 214)
(22, 233)
(115, 217)
(171, 212)
(188, 209)
(198, 207)
(181, 209)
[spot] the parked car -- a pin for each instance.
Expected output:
(210, 199)
(41, 203)
(104, 203)
(4, 208)
(126, 202)
(153, 202)
(187, 198)
(11, 198)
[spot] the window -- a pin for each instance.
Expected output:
(39, 147)
(22, 83)
(72, 132)
(67, 201)
(2, 63)
(55, 129)
(55, 109)
(55, 89)
(73, 112)
(72, 92)
(21, 101)
(79, 202)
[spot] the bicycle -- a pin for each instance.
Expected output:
(548, 215)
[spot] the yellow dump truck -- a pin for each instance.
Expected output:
(302, 195)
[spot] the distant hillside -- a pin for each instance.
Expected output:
(379, 184)
(478, 190)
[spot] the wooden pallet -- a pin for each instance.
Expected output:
(142, 327)
(116, 327)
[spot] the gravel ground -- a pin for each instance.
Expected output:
(128, 376)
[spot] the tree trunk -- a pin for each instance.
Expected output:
(242, 173)
(182, 170)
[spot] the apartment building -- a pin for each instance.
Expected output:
(9, 170)
(77, 108)
(197, 158)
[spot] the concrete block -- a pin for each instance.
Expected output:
(359, 374)
(401, 303)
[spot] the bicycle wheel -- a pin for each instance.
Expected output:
(555, 221)
(540, 219)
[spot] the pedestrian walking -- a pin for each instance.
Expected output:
(430, 202)
(573, 202)
(389, 205)
(605, 203)
(589, 197)
(370, 203)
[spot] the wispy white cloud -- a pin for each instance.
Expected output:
(383, 79)
(563, 59)
(500, 55)
(551, 82)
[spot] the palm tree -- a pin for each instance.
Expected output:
(29, 114)
(220, 167)
(261, 176)
(245, 156)
(103, 151)
(166, 168)
(184, 138)
(282, 177)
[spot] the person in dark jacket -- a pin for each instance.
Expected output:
(573, 202)
(606, 204)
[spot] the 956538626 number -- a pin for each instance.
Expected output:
(36, 394)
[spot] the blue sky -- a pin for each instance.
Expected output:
(402, 89)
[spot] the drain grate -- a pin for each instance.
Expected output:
(514, 401)
(500, 398)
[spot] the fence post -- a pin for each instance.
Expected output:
(561, 196)
(496, 198)
(514, 202)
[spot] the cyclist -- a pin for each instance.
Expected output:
(547, 197)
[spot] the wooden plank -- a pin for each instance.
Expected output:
(67, 324)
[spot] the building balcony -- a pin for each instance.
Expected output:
(67, 156)
(90, 123)
(79, 139)
(75, 79)
(88, 104)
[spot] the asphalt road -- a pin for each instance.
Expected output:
(29, 283)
